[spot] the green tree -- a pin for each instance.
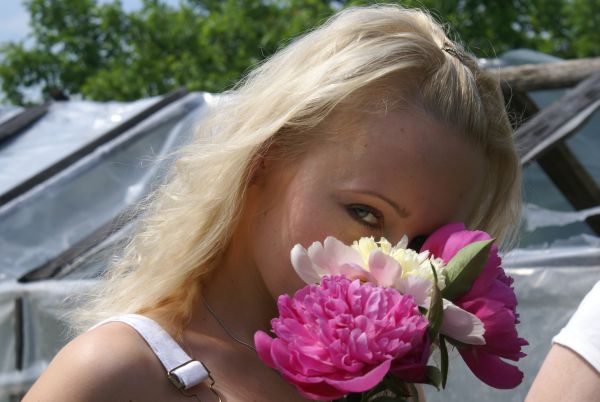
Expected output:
(102, 52)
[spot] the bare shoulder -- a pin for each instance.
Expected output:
(565, 376)
(109, 363)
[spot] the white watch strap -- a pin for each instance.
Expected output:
(182, 370)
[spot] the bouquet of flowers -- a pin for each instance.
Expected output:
(365, 326)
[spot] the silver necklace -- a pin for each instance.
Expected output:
(224, 327)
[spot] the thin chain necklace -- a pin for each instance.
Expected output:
(224, 327)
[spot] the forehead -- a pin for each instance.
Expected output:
(429, 169)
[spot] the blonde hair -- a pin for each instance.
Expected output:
(189, 220)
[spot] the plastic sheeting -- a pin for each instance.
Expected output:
(536, 217)
(43, 307)
(66, 127)
(57, 214)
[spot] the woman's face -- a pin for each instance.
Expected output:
(398, 173)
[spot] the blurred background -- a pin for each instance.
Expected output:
(125, 50)
(95, 94)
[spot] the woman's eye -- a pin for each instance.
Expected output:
(366, 215)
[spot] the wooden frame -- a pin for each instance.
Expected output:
(540, 135)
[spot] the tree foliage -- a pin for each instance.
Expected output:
(100, 51)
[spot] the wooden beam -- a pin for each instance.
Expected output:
(572, 179)
(559, 120)
(561, 74)
(562, 167)
(21, 121)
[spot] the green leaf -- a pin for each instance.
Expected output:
(443, 360)
(434, 377)
(435, 314)
(465, 267)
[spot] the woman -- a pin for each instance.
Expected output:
(374, 124)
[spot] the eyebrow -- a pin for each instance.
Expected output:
(400, 210)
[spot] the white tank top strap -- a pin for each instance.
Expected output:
(183, 371)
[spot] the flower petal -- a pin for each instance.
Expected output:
(418, 287)
(332, 255)
(491, 369)
(304, 266)
(458, 240)
(461, 325)
(263, 343)
(319, 392)
(365, 382)
(437, 240)
(353, 271)
(383, 268)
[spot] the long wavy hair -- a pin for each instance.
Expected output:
(361, 57)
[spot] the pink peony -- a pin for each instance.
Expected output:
(344, 336)
(492, 299)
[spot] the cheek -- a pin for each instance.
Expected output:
(308, 221)
(302, 215)
(291, 220)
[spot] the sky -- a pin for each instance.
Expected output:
(14, 19)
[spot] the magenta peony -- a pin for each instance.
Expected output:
(492, 299)
(343, 336)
